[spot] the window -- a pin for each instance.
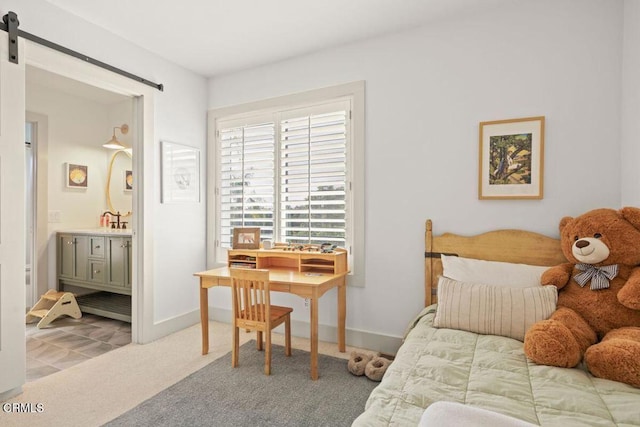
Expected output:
(289, 170)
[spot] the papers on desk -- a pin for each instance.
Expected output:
(242, 265)
(313, 274)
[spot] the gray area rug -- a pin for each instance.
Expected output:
(219, 395)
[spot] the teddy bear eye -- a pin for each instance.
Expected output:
(575, 238)
(597, 235)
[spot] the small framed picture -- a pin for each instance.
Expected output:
(511, 159)
(76, 175)
(246, 238)
(128, 180)
(180, 178)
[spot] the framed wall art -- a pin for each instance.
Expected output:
(180, 173)
(511, 159)
(246, 238)
(77, 176)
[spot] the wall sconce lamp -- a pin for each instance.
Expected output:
(113, 143)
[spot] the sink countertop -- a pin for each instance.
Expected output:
(98, 231)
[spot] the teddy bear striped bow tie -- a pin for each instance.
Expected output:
(599, 276)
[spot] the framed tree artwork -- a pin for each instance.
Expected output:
(511, 159)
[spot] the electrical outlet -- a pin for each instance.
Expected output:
(54, 216)
(306, 303)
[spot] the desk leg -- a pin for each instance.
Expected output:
(204, 318)
(314, 338)
(342, 316)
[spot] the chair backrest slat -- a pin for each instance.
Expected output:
(250, 294)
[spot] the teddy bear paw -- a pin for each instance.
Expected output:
(551, 343)
(615, 359)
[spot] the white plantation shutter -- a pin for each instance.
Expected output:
(314, 175)
(287, 172)
(247, 178)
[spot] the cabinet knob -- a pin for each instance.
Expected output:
(97, 246)
(96, 271)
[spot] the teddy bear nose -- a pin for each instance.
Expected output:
(582, 243)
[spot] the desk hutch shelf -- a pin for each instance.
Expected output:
(302, 261)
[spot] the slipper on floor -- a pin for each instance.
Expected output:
(376, 368)
(358, 362)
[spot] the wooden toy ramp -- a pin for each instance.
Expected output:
(52, 305)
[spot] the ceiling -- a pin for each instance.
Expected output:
(214, 37)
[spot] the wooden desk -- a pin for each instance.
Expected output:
(284, 280)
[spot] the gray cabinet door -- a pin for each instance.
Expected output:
(119, 261)
(72, 262)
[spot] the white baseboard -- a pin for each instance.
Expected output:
(6, 395)
(361, 339)
(171, 325)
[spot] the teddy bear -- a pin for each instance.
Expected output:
(597, 319)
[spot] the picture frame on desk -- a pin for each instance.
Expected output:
(246, 238)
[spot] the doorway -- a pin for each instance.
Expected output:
(74, 121)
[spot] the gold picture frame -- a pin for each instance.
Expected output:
(246, 238)
(511, 159)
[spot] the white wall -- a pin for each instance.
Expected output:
(426, 91)
(631, 104)
(178, 231)
(121, 200)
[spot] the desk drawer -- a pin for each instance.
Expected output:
(280, 287)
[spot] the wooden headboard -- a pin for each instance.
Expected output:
(517, 246)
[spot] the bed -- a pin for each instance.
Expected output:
(483, 370)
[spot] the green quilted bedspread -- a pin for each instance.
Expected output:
(493, 373)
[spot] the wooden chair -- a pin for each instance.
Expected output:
(252, 310)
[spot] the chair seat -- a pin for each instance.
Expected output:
(278, 315)
(276, 311)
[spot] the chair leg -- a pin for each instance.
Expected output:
(267, 354)
(287, 336)
(236, 347)
(259, 340)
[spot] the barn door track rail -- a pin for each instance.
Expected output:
(10, 24)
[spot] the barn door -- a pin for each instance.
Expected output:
(12, 221)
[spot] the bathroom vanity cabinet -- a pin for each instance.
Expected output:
(96, 266)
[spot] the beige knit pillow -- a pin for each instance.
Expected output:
(492, 310)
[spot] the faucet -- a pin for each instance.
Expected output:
(114, 223)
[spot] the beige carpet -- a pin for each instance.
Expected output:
(102, 388)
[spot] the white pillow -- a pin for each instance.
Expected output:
(491, 272)
(453, 414)
(492, 310)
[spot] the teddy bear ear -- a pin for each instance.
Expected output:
(564, 221)
(632, 215)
